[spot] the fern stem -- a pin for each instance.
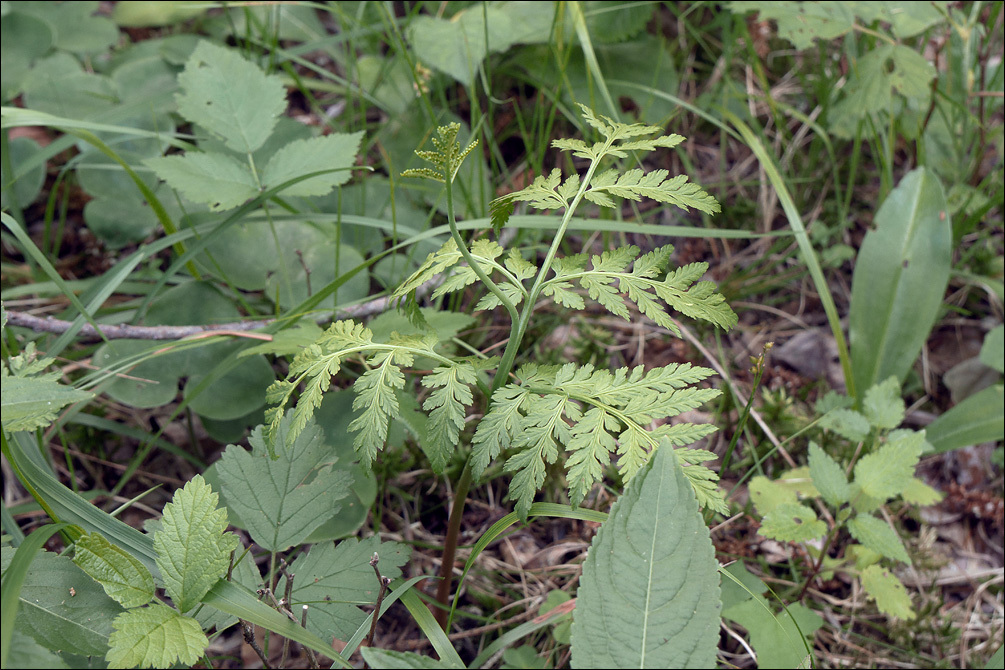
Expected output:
(463, 248)
(517, 334)
(450, 546)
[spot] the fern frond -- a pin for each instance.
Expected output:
(607, 281)
(636, 184)
(498, 428)
(537, 445)
(447, 158)
(446, 410)
(445, 257)
(591, 445)
(375, 397)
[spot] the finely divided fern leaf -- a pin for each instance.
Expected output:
(607, 281)
(593, 414)
(446, 410)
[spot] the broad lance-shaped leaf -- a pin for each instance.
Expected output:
(283, 501)
(334, 579)
(230, 97)
(900, 279)
(193, 549)
(55, 618)
(649, 594)
(155, 636)
(120, 574)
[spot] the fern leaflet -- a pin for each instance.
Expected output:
(446, 410)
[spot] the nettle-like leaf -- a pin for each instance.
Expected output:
(193, 549)
(155, 636)
(792, 522)
(283, 501)
(121, 575)
(230, 97)
(593, 414)
(883, 404)
(608, 282)
(334, 579)
(828, 477)
(889, 470)
(888, 591)
(877, 535)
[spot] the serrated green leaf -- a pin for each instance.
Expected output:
(803, 22)
(58, 617)
(636, 184)
(334, 580)
(281, 502)
(210, 178)
(537, 444)
(883, 406)
(847, 423)
(920, 493)
(498, 428)
(446, 406)
(828, 477)
(591, 447)
(230, 97)
(792, 522)
(890, 469)
(877, 535)
(767, 495)
(336, 151)
(777, 639)
(155, 637)
(123, 577)
(889, 593)
(193, 549)
(34, 402)
(649, 594)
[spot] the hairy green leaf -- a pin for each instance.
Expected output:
(34, 402)
(334, 580)
(792, 522)
(920, 493)
(888, 591)
(193, 549)
(767, 495)
(649, 594)
(155, 636)
(55, 616)
(877, 535)
(890, 469)
(281, 502)
(336, 152)
(230, 97)
(828, 477)
(215, 179)
(883, 406)
(123, 578)
(847, 423)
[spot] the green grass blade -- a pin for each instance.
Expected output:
(431, 629)
(802, 239)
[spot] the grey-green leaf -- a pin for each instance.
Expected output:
(283, 501)
(230, 97)
(34, 402)
(977, 419)
(900, 277)
(649, 594)
(58, 617)
(193, 551)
